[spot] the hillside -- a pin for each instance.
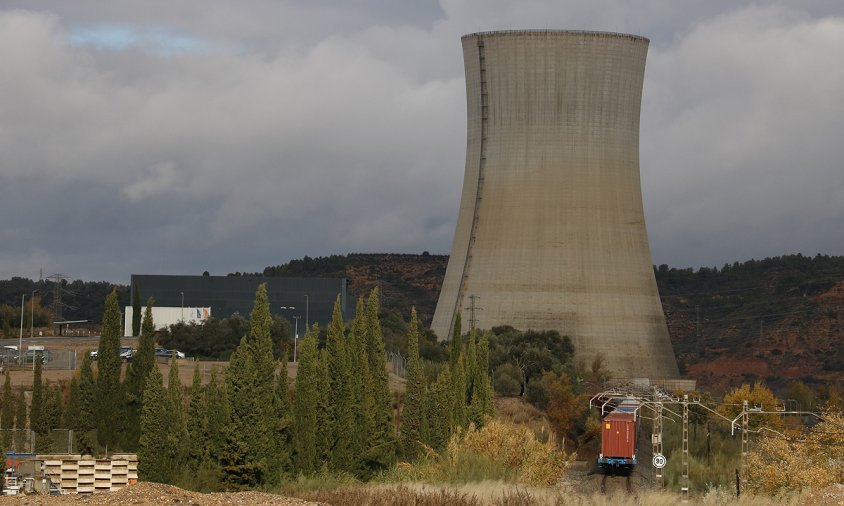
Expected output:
(778, 319)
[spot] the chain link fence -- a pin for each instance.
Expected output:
(50, 359)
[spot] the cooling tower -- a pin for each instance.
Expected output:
(551, 232)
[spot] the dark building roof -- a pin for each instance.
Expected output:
(313, 298)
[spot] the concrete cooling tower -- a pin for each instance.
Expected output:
(551, 232)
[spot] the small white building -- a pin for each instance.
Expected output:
(163, 317)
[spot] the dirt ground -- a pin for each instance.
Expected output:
(145, 493)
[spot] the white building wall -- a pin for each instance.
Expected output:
(163, 317)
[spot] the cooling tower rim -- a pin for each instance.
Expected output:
(594, 33)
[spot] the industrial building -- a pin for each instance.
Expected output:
(551, 232)
(194, 298)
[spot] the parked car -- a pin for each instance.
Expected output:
(163, 352)
(126, 354)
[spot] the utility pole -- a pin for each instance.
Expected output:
(684, 484)
(656, 440)
(744, 440)
(472, 309)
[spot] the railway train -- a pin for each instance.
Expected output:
(619, 435)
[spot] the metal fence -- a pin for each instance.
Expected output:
(50, 359)
(397, 364)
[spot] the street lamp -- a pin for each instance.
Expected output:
(183, 306)
(20, 337)
(307, 305)
(296, 331)
(32, 314)
(295, 336)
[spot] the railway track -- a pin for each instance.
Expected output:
(623, 483)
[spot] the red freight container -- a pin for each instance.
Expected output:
(618, 436)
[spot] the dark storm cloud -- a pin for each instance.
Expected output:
(227, 136)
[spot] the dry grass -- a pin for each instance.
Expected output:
(496, 493)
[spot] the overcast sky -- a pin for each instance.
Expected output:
(228, 135)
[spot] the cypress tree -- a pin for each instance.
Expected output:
(84, 431)
(73, 411)
(218, 416)
(306, 399)
(458, 416)
(197, 424)
(482, 397)
(136, 374)
(7, 413)
(324, 431)
(438, 411)
(36, 407)
(363, 403)
(109, 396)
(281, 415)
(21, 439)
(339, 379)
(87, 395)
(136, 311)
(241, 466)
(261, 440)
(381, 449)
(156, 453)
(178, 425)
(411, 419)
(471, 366)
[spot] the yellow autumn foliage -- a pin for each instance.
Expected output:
(512, 447)
(813, 460)
(498, 451)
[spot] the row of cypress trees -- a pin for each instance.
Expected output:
(249, 428)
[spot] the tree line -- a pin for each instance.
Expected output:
(247, 427)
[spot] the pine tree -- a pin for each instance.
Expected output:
(411, 419)
(178, 425)
(7, 413)
(21, 438)
(37, 405)
(305, 405)
(136, 311)
(51, 410)
(339, 378)
(109, 395)
(156, 454)
(197, 424)
(136, 374)
(381, 449)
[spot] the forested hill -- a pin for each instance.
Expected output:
(404, 280)
(779, 318)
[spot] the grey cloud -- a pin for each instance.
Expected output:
(328, 127)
